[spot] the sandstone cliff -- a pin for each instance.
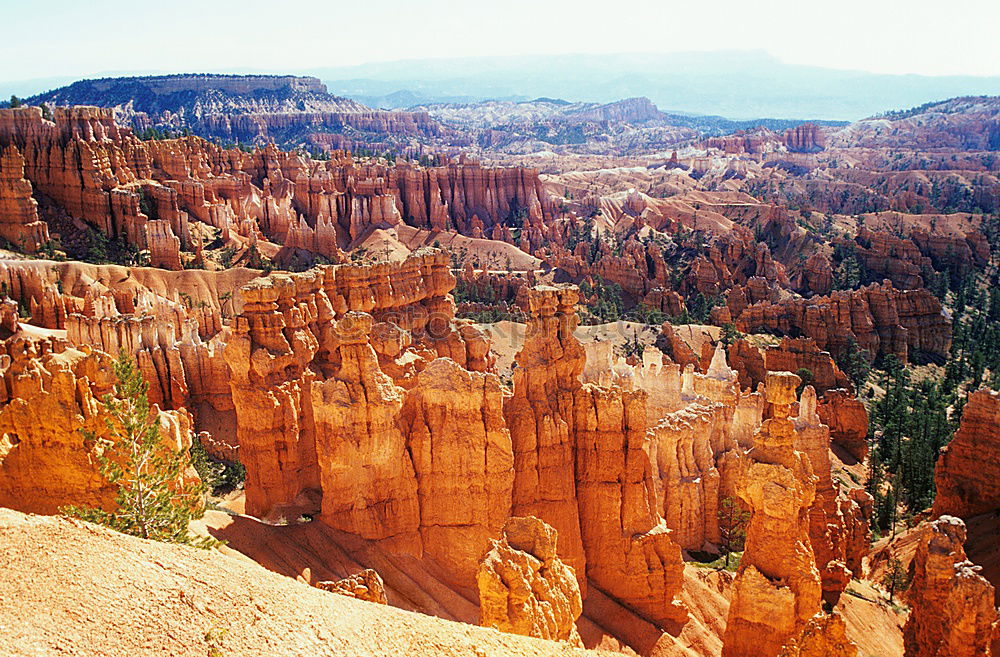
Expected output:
(99, 172)
(953, 612)
(882, 319)
(967, 476)
(19, 223)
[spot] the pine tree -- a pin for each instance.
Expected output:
(895, 577)
(853, 362)
(733, 522)
(153, 501)
(806, 376)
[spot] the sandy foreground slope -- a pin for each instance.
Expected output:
(70, 588)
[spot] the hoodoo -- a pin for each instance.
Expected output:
(497, 371)
(777, 588)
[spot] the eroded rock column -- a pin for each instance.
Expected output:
(524, 588)
(777, 588)
(952, 604)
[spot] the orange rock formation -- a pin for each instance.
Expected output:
(968, 470)
(882, 319)
(953, 612)
(19, 223)
(366, 585)
(825, 635)
(151, 193)
(50, 397)
(835, 519)
(847, 418)
(524, 588)
(777, 588)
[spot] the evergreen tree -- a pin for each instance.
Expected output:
(153, 500)
(806, 376)
(730, 334)
(733, 522)
(895, 577)
(853, 361)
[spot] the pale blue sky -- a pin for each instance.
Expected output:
(87, 37)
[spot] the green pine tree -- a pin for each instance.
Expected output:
(153, 500)
(895, 578)
(733, 521)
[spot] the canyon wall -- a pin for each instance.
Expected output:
(967, 476)
(881, 319)
(19, 222)
(953, 612)
(99, 172)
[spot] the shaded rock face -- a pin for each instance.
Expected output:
(431, 463)
(540, 416)
(805, 138)
(847, 418)
(790, 355)
(825, 635)
(882, 319)
(802, 353)
(777, 588)
(688, 478)
(462, 459)
(524, 588)
(952, 604)
(50, 397)
(366, 585)
(19, 222)
(323, 428)
(968, 470)
(605, 501)
(836, 520)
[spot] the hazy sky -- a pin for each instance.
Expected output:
(87, 37)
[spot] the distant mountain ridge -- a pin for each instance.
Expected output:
(969, 123)
(733, 84)
(624, 127)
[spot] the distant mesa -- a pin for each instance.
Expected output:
(289, 110)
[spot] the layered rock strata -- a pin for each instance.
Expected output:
(777, 588)
(967, 476)
(880, 318)
(606, 502)
(102, 174)
(427, 468)
(952, 604)
(19, 222)
(524, 587)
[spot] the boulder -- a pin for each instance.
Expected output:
(524, 588)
